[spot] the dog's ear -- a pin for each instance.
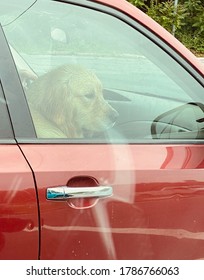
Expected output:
(60, 109)
(49, 95)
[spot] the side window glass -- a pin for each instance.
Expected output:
(89, 75)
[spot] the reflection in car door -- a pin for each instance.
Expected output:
(154, 212)
(19, 232)
(19, 235)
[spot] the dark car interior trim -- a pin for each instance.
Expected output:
(6, 131)
(14, 94)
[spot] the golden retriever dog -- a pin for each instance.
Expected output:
(68, 102)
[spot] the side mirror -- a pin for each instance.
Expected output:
(183, 122)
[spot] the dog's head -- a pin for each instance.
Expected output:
(72, 98)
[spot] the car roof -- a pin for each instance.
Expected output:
(127, 8)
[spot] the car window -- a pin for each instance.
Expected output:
(5, 125)
(93, 76)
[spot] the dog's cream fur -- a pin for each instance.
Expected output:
(68, 103)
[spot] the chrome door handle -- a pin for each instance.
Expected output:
(64, 193)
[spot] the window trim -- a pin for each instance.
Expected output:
(60, 141)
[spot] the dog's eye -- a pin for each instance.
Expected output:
(90, 96)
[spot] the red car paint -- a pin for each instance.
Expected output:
(18, 204)
(152, 193)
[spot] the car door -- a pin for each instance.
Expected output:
(19, 228)
(135, 190)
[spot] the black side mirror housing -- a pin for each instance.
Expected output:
(183, 122)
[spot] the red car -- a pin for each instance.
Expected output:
(101, 133)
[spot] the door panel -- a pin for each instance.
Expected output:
(19, 236)
(155, 210)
